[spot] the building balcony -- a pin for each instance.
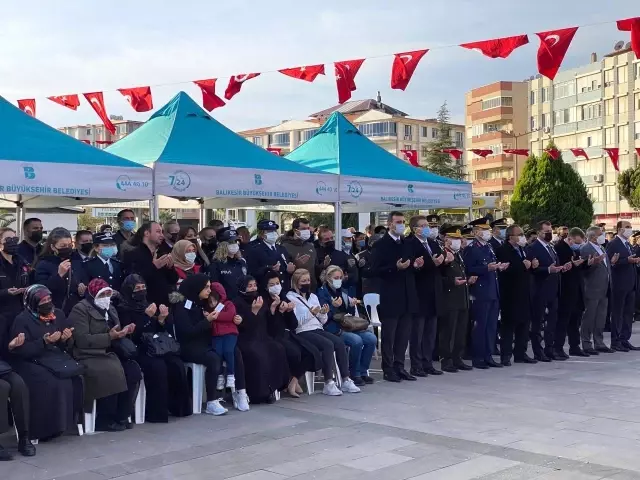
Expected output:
(493, 184)
(590, 96)
(493, 114)
(589, 124)
(489, 136)
(493, 161)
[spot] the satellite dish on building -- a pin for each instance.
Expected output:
(538, 76)
(627, 46)
(532, 77)
(618, 46)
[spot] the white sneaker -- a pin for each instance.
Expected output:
(231, 381)
(349, 387)
(241, 400)
(220, 384)
(215, 408)
(331, 389)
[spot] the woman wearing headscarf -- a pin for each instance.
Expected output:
(193, 330)
(165, 377)
(265, 359)
(228, 266)
(55, 403)
(184, 257)
(190, 233)
(112, 381)
(14, 276)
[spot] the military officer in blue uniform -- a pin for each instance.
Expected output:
(105, 264)
(480, 261)
(266, 254)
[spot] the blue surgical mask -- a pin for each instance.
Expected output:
(503, 233)
(399, 228)
(361, 244)
(108, 252)
(433, 233)
(423, 232)
(129, 225)
(576, 246)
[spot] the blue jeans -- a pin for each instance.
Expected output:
(225, 347)
(361, 347)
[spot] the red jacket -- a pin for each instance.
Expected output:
(223, 325)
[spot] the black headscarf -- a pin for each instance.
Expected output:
(32, 297)
(126, 294)
(243, 282)
(191, 287)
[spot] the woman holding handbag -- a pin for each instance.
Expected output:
(164, 373)
(343, 320)
(43, 362)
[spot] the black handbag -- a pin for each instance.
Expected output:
(60, 364)
(5, 368)
(124, 348)
(160, 344)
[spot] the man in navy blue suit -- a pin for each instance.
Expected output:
(623, 284)
(546, 288)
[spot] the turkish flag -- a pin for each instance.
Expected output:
(70, 101)
(274, 150)
(553, 47)
(346, 72)
(614, 155)
(404, 64)
(411, 156)
(579, 152)
(28, 106)
(638, 151)
(517, 151)
(235, 84)
(482, 153)
(454, 152)
(96, 100)
(103, 142)
(498, 47)
(139, 98)
(553, 153)
(210, 100)
(632, 25)
(308, 73)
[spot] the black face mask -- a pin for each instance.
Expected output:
(36, 236)
(330, 245)
(250, 295)
(11, 246)
(139, 296)
(194, 241)
(548, 236)
(173, 237)
(65, 253)
(305, 288)
(86, 248)
(45, 309)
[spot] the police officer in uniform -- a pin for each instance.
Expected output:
(266, 255)
(480, 261)
(105, 264)
(498, 231)
(435, 237)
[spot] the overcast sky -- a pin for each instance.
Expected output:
(54, 48)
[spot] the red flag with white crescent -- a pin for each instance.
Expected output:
(139, 98)
(517, 151)
(96, 100)
(404, 64)
(638, 151)
(554, 153)
(454, 152)
(28, 106)
(308, 73)
(210, 100)
(346, 72)
(579, 152)
(497, 47)
(275, 151)
(411, 156)
(614, 155)
(236, 82)
(553, 47)
(632, 25)
(482, 153)
(70, 101)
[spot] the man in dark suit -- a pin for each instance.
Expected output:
(623, 284)
(452, 323)
(481, 262)
(105, 263)
(429, 285)
(498, 233)
(392, 261)
(266, 255)
(546, 288)
(515, 297)
(571, 300)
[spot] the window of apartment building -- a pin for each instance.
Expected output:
(563, 116)
(612, 193)
(588, 83)
(609, 107)
(408, 132)
(533, 123)
(532, 97)
(425, 151)
(425, 131)
(283, 139)
(636, 130)
(622, 74)
(608, 77)
(434, 133)
(88, 131)
(545, 120)
(622, 105)
(544, 94)
(609, 136)
(636, 99)
(459, 139)
(307, 134)
(622, 134)
(596, 193)
(636, 71)
(257, 141)
(497, 102)
(477, 129)
(565, 89)
(379, 129)
(593, 110)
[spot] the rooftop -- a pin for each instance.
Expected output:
(359, 106)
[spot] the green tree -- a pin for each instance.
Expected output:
(6, 218)
(551, 190)
(89, 222)
(441, 163)
(629, 187)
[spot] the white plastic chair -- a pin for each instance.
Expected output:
(90, 421)
(310, 378)
(141, 402)
(197, 381)
(372, 300)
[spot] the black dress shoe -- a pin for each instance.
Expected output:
(480, 365)
(550, 355)
(591, 351)
(358, 381)
(418, 372)
(5, 456)
(368, 380)
(542, 358)
(392, 377)
(630, 347)
(449, 369)
(525, 359)
(601, 349)
(112, 427)
(577, 352)
(26, 448)
(506, 362)
(560, 355)
(432, 371)
(463, 367)
(404, 375)
(619, 348)
(492, 363)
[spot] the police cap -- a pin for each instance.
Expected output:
(267, 225)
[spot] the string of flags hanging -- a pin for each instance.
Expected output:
(553, 46)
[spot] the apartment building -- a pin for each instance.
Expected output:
(496, 119)
(97, 135)
(591, 107)
(390, 128)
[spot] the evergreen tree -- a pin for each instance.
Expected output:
(629, 187)
(551, 190)
(441, 163)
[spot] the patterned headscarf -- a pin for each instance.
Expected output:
(32, 298)
(178, 255)
(96, 286)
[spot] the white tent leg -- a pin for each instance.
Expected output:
(364, 219)
(202, 217)
(20, 212)
(338, 219)
(154, 210)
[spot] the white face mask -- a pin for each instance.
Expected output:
(398, 228)
(455, 244)
(486, 235)
(304, 235)
(271, 237)
(275, 289)
(433, 232)
(233, 248)
(602, 239)
(522, 240)
(337, 283)
(103, 302)
(627, 232)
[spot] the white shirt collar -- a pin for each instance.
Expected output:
(393, 235)
(624, 240)
(544, 244)
(106, 262)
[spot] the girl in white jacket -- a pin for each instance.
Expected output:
(311, 317)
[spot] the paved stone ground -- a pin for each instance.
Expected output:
(574, 420)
